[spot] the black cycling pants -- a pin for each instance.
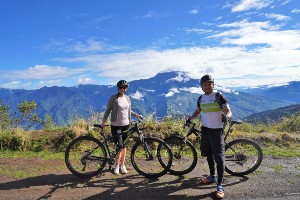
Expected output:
(119, 135)
(213, 147)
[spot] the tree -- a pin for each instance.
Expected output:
(5, 119)
(26, 116)
(48, 123)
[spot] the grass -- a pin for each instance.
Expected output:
(44, 144)
(47, 155)
(276, 151)
(278, 168)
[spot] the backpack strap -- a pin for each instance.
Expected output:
(218, 98)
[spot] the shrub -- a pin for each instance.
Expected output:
(15, 139)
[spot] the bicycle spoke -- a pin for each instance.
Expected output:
(85, 157)
(147, 158)
(184, 155)
(242, 157)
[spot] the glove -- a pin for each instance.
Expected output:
(225, 118)
(188, 121)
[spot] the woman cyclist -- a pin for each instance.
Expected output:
(119, 106)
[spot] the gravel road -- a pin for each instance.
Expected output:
(277, 178)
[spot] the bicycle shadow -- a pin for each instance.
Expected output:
(178, 188)
(131, 187)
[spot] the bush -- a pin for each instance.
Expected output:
(15, 139)
(291, 124)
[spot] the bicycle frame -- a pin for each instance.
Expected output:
(133, 128)
(197, 132)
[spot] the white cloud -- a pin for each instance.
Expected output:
(194, 11)
(231, 66)
(86, 80)
(250, 54)
(16, 85)
(259, 33)
(88, 46)
(172, 92)
(278, 17)
(50, 83)
(41, 72)
(180, 78)
(196, 90)
(137, 95)
(198, 30)
(295, 11)
(245, 5)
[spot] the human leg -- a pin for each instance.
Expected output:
(206, 151)
(218, 149)
(116, 131)
(217, 138)
(122, 161)
(123, 151)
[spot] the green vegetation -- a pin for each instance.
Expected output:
(275, 140)
(279, 139)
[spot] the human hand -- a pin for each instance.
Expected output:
(188, 121)
(225, 118)
(139, 116)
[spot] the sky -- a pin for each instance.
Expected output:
(241, 43)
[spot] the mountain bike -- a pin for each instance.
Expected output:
(242, 156)
(87, 156)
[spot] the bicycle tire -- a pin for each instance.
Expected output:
(242, 157)
(85, 157)
(184, 155)
(146, 157)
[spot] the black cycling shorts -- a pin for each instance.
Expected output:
(212, 143)
(119, 135)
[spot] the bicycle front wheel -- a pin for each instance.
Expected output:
(184, 155)
(85, 157)
(242, 157)
(147, 157)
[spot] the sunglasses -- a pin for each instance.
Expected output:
(122, 87)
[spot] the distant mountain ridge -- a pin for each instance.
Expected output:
(168, 93)
(273, 116)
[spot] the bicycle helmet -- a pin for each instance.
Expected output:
(206, 78)
(122, 83)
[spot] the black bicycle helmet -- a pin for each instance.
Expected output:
(122, 83)
(206, 78)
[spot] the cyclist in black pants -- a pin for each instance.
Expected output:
(119, 106)
(215, 112)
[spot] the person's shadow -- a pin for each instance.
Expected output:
(122, 187)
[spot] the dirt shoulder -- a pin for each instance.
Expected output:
(276, 178)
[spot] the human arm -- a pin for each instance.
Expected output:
(108, 110)
(195, 114)
(136, 115)
(226, 114)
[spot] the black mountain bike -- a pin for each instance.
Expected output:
(242, 156)
(86, 156)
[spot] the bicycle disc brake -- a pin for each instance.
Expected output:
(83, 159)
(111, 161)
(241, 159)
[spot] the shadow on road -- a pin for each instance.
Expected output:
(125, 187)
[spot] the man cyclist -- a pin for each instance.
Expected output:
(215, 111)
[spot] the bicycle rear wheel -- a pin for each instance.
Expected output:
(147, 157)
(184, 155)
(85, 157)
(242, 157)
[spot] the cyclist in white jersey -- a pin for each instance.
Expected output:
(214, 113)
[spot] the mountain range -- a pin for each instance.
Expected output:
(170, 93)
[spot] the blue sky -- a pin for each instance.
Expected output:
(242, 43)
